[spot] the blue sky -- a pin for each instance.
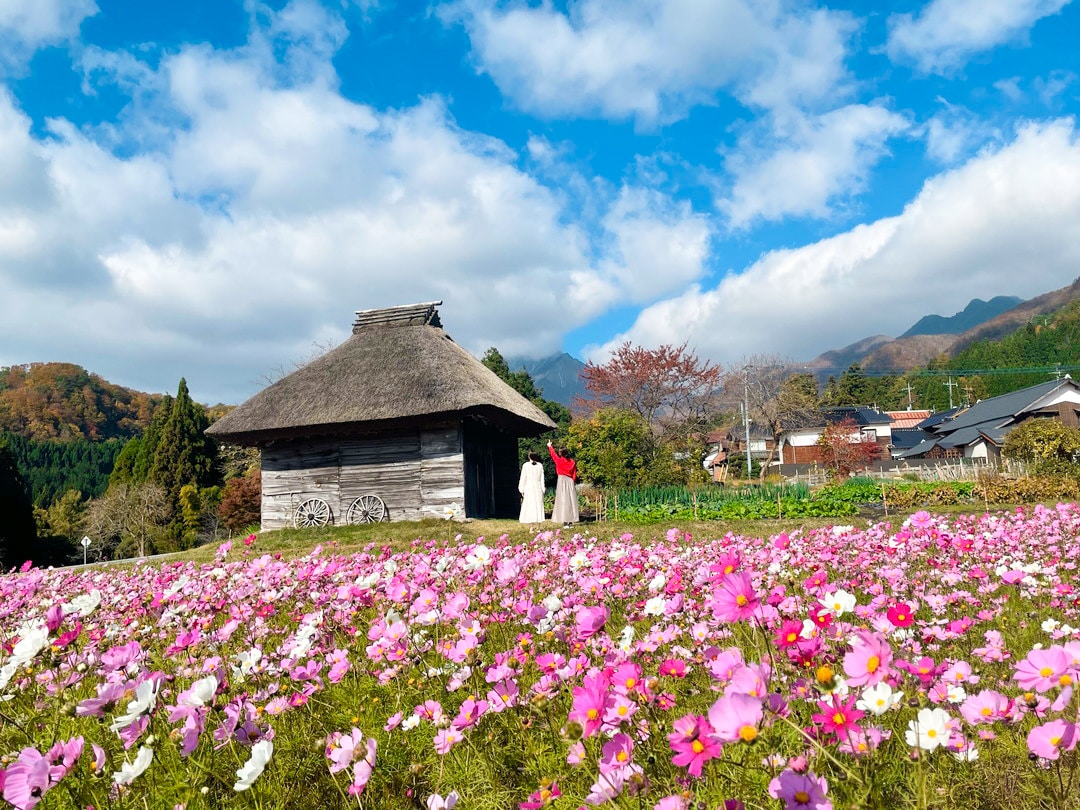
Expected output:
(210, 189)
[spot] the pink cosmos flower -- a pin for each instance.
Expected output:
(27, 779)
(693, 743)
(734, 598)
(800, 791)
(590, 620)
(987, 706)
(735, 717)
(445, 739)
(1042, 670)
(868, 661)
(675, 667)
(1050, 739)
(619, 709)
(617, 753)
(469, 713)
(588, 705)
(545, 796)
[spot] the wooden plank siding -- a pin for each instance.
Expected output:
(416, 473)
(442, 470)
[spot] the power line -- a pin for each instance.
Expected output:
(1055, 370)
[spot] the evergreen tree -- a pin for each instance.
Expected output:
(183, 455)
(18, 533)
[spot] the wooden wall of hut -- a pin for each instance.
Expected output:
(416, 472)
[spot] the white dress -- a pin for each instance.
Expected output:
(531, 487)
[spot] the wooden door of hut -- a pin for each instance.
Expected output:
(490, 472)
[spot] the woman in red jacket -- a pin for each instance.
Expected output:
(566, 506)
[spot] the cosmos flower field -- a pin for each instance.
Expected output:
(928, 663)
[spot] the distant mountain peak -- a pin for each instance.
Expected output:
(976, 312)
(558, 376)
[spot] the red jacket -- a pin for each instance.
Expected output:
(564, 466)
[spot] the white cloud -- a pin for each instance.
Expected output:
(825, 159)
(27, 25)
(946, 33)
(652, 60)
(1005, 223)
(227, 243)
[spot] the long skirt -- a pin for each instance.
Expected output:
(565, 510)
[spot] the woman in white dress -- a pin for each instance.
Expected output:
(531, 487)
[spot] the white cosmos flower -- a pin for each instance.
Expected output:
(256, 764)
(878, 699)
(626, 638)
(838, 602)
(478, 557)
(655, 606)
(33, 636)
(144, 701)
(410, 722)
(129, 770)
(578, 561)
(657, 582)
(552, 603)
(928, 730)
(201, 692)
(248, 662)
(83, 605)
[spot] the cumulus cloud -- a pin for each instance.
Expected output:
(270, 207)
(27, 25)
(1006, 222)
(826, 158)
(651, 60)
(946, 33)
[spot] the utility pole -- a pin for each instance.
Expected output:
(746, 420)
(950, 385)
(908, 389)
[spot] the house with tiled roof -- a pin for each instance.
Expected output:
(979, 431)
(798, 442)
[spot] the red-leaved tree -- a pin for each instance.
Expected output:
(241, 502)
(844, 449)
(672, 391)
(665, 386)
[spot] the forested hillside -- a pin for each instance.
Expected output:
(63, 401)
(1046, 341)
(51, 468)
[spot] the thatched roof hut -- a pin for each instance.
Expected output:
(398, 408)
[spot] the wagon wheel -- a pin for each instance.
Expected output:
(366, 509)
(312, 512)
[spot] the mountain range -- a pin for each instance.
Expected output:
(933, 335)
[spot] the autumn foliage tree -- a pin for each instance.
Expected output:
(844, 449)
(669, 389)
(241, 503)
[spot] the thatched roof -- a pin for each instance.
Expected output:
(398, 366)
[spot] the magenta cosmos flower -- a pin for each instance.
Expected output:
(693, 743)
(839, 717)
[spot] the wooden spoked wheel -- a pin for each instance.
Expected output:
(312, 512)
(366, 509)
